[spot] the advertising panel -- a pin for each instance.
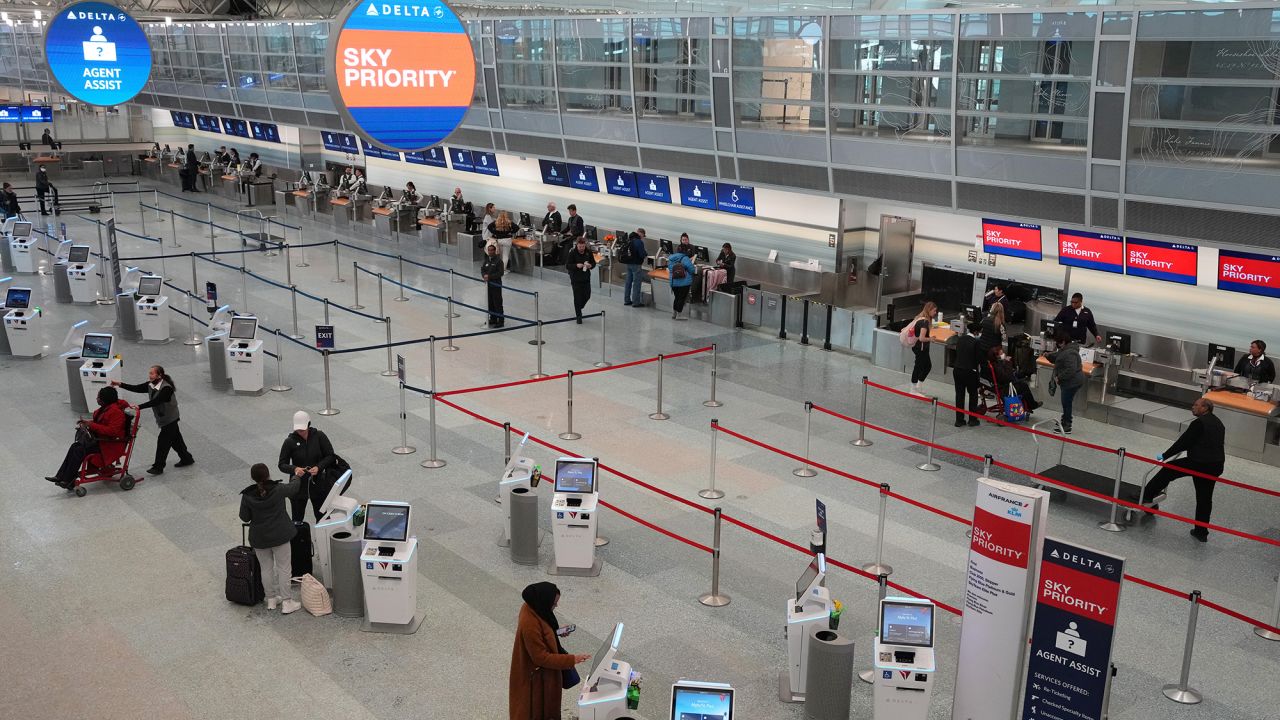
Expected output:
(1157, 260)
(554, 172)
(1095, 251)
(583, 177)
(654, 187)
(698, 193)
(1249, 273)
(485, 163)
(620, 182)
(97, 53)
(1015, 239)
(431, 156)
(37, 113)
(738, 199)
(402, 71)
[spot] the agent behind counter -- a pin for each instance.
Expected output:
(1257, 367)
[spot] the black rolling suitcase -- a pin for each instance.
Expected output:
(244, 575)
(300, 548)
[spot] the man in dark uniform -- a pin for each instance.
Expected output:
(552, 221)
(1078, 321)
(1257, 366)
(1203, 442)
(191, 170)
(579, 262)
(964, 373)
(993, 296)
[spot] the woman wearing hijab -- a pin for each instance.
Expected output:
(537, 659)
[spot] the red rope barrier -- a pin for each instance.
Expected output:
(652, 526)
(1238, 616)
(902, 436)
(1155, 586)
(1197, 473)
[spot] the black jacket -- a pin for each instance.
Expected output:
(728, 261)
(492, 268)
(575, 228)
(11, 205)
(966, 356)
(1202, 441)
(551, 222)
(1263, 372)
(1077, 325)
(572, 258)
(193, 163)
(162, 402)
(269, 522)
(990, 334)
(298, 453)
(42, 182)
(496, 232)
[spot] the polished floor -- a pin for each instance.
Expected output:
(113, 604)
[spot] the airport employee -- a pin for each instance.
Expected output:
(1257, 366)
(160, 391)
(1203, 442)
(1077, 320)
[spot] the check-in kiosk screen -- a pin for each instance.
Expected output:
(96, 347)
(22, 229)
(574, 476)
(18, 298)
(610, 643)
(701, 704)
(243, 328)
(386, 522)
(906, 624)
(78, 254)
(149, 286)
(803, 583)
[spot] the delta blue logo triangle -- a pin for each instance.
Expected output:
(71, 16)
(372, 11)
(1054, 553)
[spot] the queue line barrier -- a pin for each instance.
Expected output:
(453, 273)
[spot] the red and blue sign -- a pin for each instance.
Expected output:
(1249, 273)
(1095, 251)
(97, 53)
(403, 71)
(1015, 239)
(1171, 262)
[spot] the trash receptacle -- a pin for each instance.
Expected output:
(524, 526)
(348, 588)
(75, 389)
(218, 363)
(127, 316)
(829, 677)
(61, 284)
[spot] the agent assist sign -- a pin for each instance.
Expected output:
(97, 53)
(402, 72)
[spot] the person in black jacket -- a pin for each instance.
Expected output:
(160, 390)
(576, 227)
(1203, 442)
(306, 454)
(728, 261)
(579, 262)
(44, 187)
(491, 271)
(271, 534)
(635, 269)
(964, 373)
(1257, 367)
(9, 202)
(191, 170)
(1078, 321)
(551, 222)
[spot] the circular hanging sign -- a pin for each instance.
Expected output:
(402, 73)
(97, 53)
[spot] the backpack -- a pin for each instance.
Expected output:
(907, 335)
(625, 256)
(678, 271)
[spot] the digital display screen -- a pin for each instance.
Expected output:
(149, 286)
(339, 142)
(374, 151)
(37, 113)
(18, 298)
(620, 182)
(96, 347)
(554, 172)
(22, 229)
(431, 156)
(78, 254)
(575, 476)
(1171, 262)
(97, 52)
(583, 177)
(698, 193)
(737, 199)
(386, 522)
(485, 163)
(610, 643)
(1249, 273)
(243, 328)
(688, 703)
(232, 126)
(1002, 237)
(10, 113)
(1094, 251)
(208, 123)
(653, 187)
(461, 160)
(906, 624)
(808, 576)
(265, 132)
(183, 119)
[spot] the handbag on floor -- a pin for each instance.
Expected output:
(315, 598)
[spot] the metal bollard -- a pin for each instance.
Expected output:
(929, 465)
(382, 310)
(1275, 618)
(986, 466)
(710, 492)
(288, 267)
(326, 311)
(537, 319)
(600, 540)
(279, 386)
(244, 287)
(1111, 525)
(401, 297)
(869, 676)
(659, 415)
(449, 316)
(879, 567)
(391, 369)
(433, 461)
(715, 598)
(142, 214)
(156, 203)
(506, 456)
(192, 339)
(715, 371)
(603, 363)
(355, 284)
(105, 295)
(303, 248)
(570, 434)
(862, 440)
(405, 448)
(337, 265)
(329, 409)
(804, 323)
(1181, 692)
(539, 373)
(293, 300)
(173, 231)
(804, 470)
(213, 249)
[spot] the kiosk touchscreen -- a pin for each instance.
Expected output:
(97, 367)
(573, 517)
(244, 355)
(337, 515)
(22, 248)
(694, 700)
(390, 570)
(22, 324)
(81, 275)
(517, 474)
(808, 610)
(904, 659)
(152, 309)
(604, 687)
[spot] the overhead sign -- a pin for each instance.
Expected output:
(97, 53)
(1008, 526)
(431, 156)
(324, 337)
(461, 160)
(208, 123)
(1249, 273)
(403, 71)
(1095, 251)
(233, 126)
(583, 177)
(554, 172)
(182, 119)
(620, 182)
(1076, 603)
(265, 132)
(37, 113)
(653, 187)
(698, 193)
(1001, 237)
(340, 142)
(1171, 262)
(374, 151)
(10, 113)
(485, 163)
(737, 199)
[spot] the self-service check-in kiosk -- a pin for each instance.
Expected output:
(337, 514)
(904, 661)
(81, 275)
(153, 307)
(808, 610)
(518, 474)
(390, 569)
(97, 367)
(696, 700)
(244, 355)
(573, 517)
(604, 689)
(22, 248)
(22, 324)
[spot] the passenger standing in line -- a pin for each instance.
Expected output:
(9, 203)
(44, 187)
(993, 332)
(490, 216)
(491, 270)
(192, 169)
(305, 455)
(681, 270)
(1068, 372)
(500, 232)
(635, 270)
(1256, 366)
(160, 390)
(1078, 321)
(728, 261)
(262, 505)
(923, 364)
(1203, 442)
(579, 263)
(964, 373)
(535, 686)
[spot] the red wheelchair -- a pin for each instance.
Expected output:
(117, 471)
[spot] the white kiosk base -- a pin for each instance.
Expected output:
(389, 570)
(604, 687)
(153, 319)
(904, 660)
(809, 609)
(96, 374)
(573, 528)
(23, 252)
(244, 365)
(22, 328)
(83, 279)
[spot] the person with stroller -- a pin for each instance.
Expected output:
(100, 441)
(161, 398)
(306, 455)
(262, 506)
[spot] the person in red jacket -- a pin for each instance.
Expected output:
(108, 435)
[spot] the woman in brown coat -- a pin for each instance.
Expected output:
(537, 658)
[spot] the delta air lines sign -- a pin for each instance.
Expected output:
(402, 72)
(97, 53)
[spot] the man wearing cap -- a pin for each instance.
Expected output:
(306, 454)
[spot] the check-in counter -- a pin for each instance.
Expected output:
(431, 231)
(151, 168)
(392, 220)
(660, 280)
(261, 192)
(1080, 404)
(524, 255)
(1247, 421)
(229, 187)
(340, 211)
(470, 247)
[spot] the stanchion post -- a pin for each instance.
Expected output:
(538, 373)
(105, 296)
(173, 231)
(293, 301)
(804, 470)
(302, 248)
(710, 492)
(329, 409)
(288, 267)
(1110, 525)
(391, 369)
(337, 265)
(569, 434)
(715, 598)
(600, 540)
(1274, 618)
(326, 311)
(192, 339)
(213, 249)
(405, 448)
(506, 455)
(603, 363)
(433, 461)
(715, 372)
(142, 214)
(659, 415)
(401, 297)
(929, 465)
(987, 460)
(862, 440)
(382, 310)
(879, 567)
(537, 319)
(355, 284)
(869, 676)
(1181, 692)
(449, 316)
(279, 386)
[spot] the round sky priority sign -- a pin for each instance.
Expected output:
(403, 71)
(97, 53)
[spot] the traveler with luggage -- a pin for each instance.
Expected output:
(305, 455)
(681, 269)
(262, 506)
(632, 253)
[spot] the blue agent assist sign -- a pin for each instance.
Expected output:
(554, 172)
(97, 53)
(324, 337)
(1071, 638)
(620, 182)
(583, 177)
(738, 199)
(653, 187)
(698, 193)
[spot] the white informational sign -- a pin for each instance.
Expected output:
(1008, 531)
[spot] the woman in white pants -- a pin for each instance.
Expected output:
(264, 505)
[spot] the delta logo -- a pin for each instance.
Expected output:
(387, 9)
(82, 15)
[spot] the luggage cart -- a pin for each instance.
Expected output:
(1075, 481)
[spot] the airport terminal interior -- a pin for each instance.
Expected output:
(700, 401)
